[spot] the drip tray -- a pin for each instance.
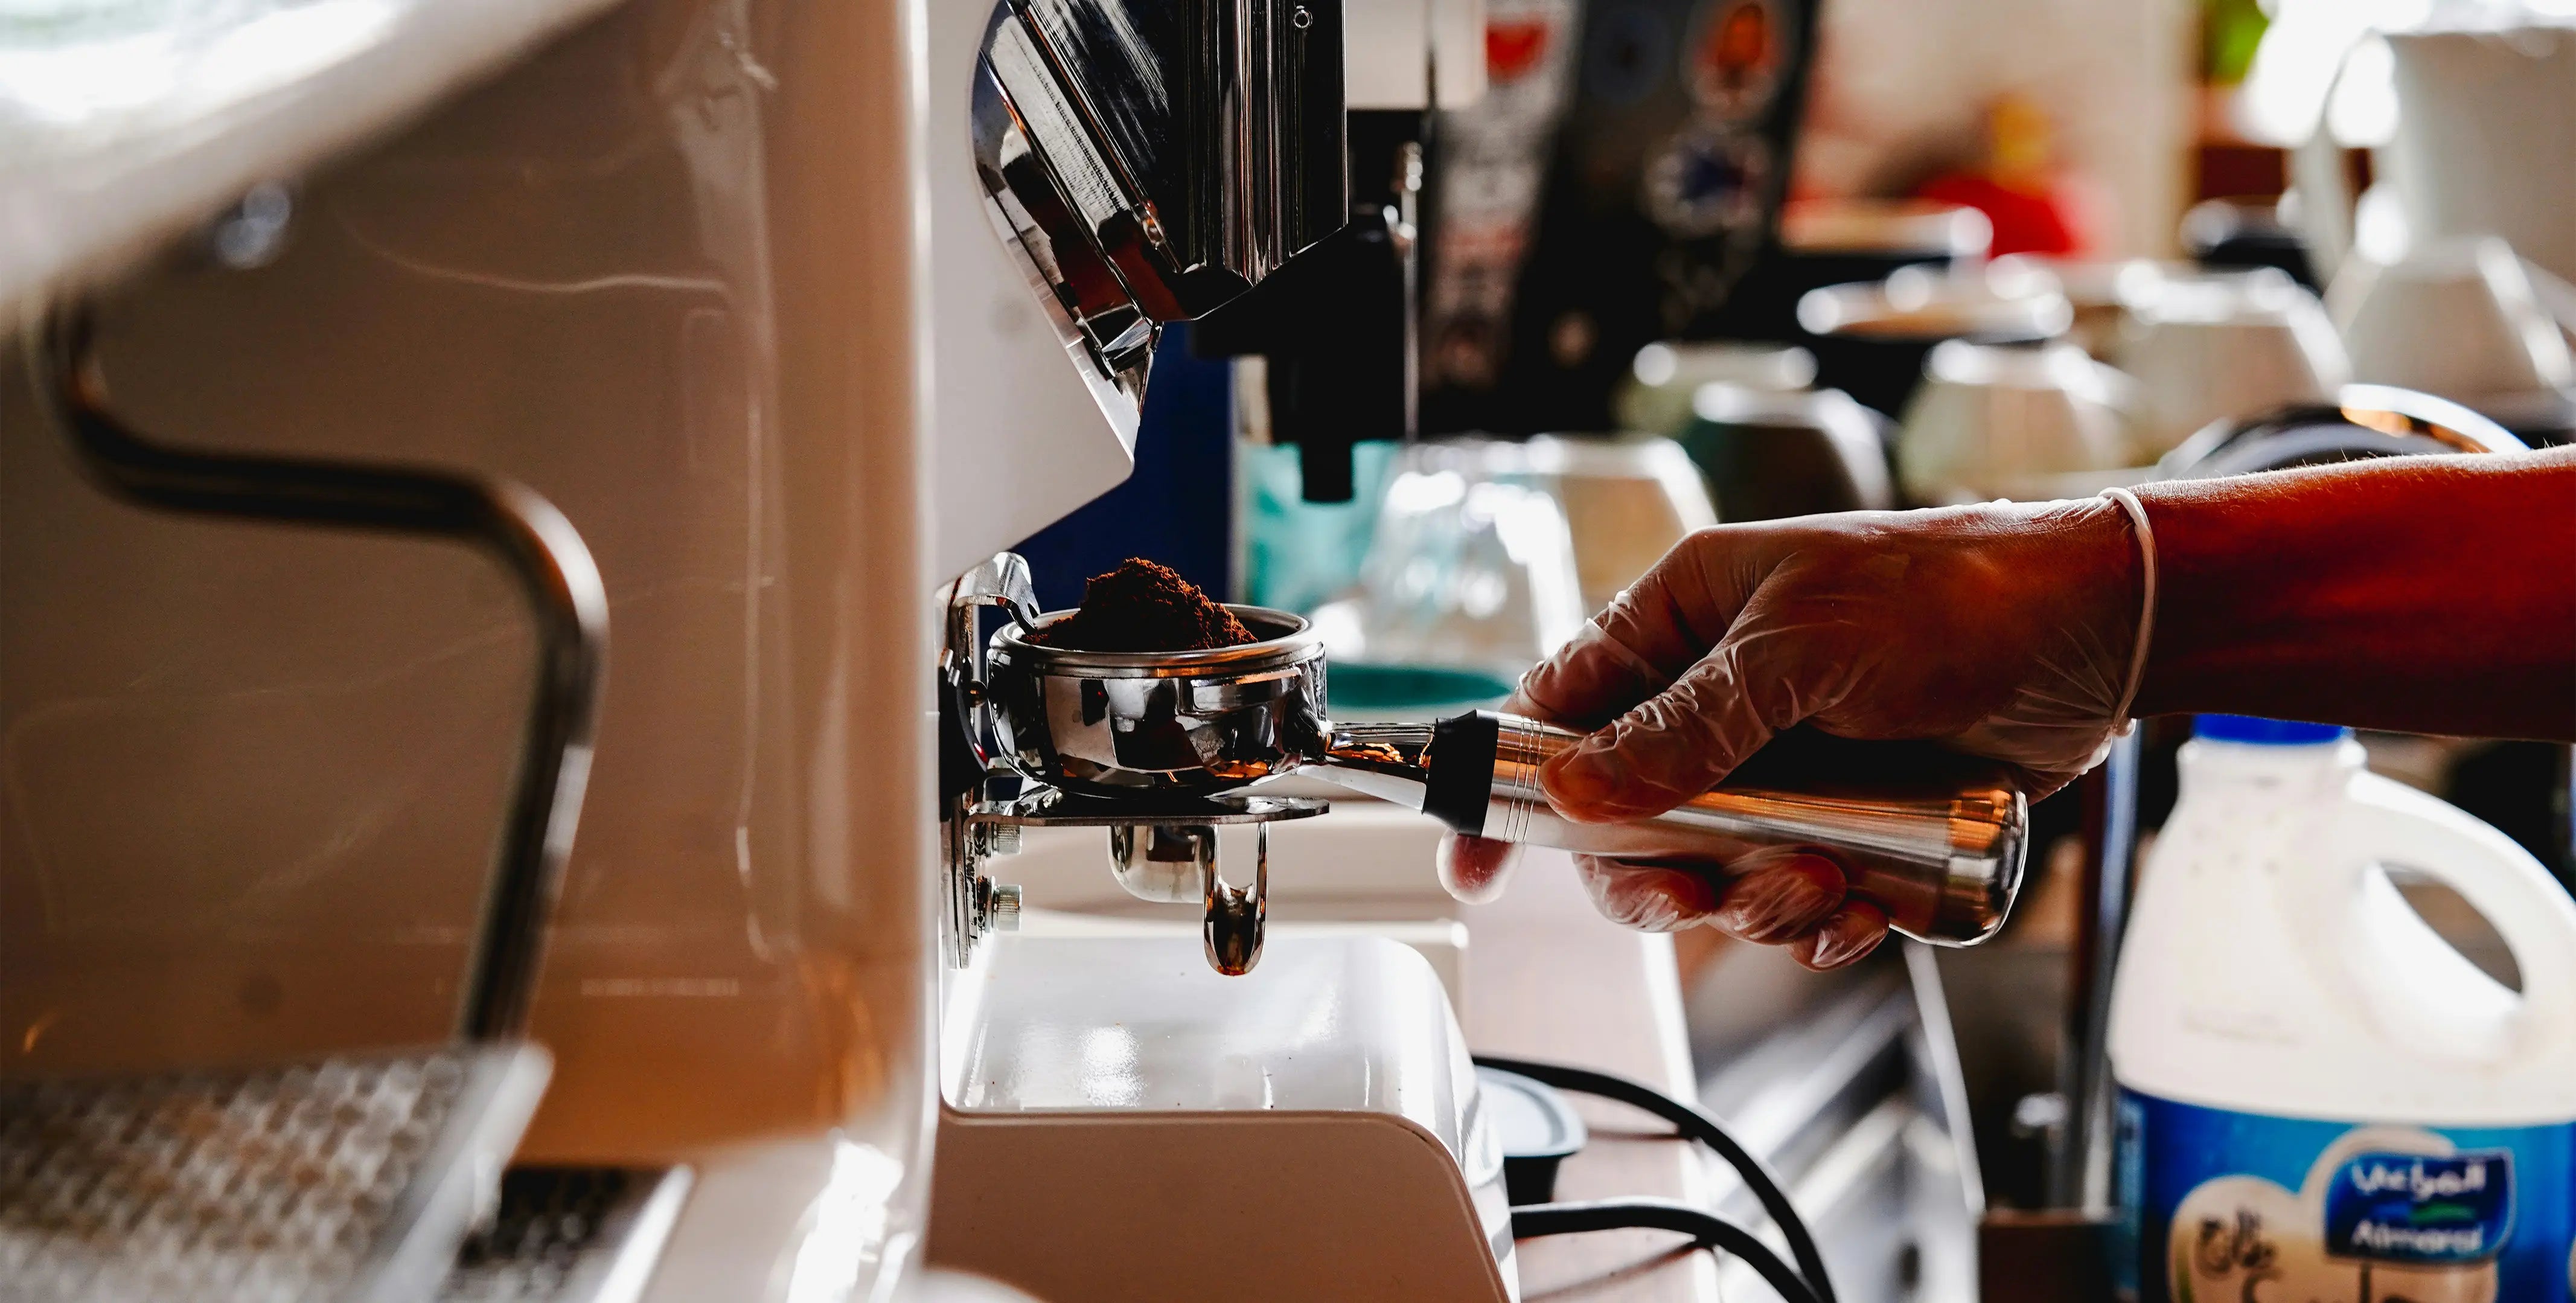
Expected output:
(350, 1179)
(570, 1235)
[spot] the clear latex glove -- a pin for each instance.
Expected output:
(2003, 630)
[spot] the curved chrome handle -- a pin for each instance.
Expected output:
(532, 540)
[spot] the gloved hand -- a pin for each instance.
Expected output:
(2005, 630)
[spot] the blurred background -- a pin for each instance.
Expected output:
(1693, 261)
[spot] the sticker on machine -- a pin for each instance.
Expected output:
(1736, 56)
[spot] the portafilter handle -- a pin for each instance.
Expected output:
(1936, 841)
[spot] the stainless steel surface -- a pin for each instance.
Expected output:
(2363, 421)
(1159, 723)
(2080, 1148)
(1152, 161)
(1046, 807)
(509, 521)
(570, 1235)
(1177, 864)
(1232, 928)
(350, 1178)
(1164, 865)
(1944, 860)
(1389, 761)
(999, 583)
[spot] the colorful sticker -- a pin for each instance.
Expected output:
(1707, 180)
(2220, 1206)
(1492, 167)
(1737, 52)
(1514, 45)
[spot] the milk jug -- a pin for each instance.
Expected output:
(2320, 1100)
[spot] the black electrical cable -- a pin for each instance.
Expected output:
(1705, 1228)
(1698, 1126)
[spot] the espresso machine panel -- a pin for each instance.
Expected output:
(667, 272)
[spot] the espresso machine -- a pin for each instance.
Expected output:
(691, 313)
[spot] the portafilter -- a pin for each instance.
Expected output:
(1934, 839)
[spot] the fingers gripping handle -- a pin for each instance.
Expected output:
(1941, 856)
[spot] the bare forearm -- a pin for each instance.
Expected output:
(2430, 595)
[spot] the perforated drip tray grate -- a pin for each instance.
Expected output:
(570, 1235)
(350, 1179)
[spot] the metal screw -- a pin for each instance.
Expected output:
(996, 839)
(1002, 908)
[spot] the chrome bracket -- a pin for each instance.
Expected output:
(1164, 851)
(975, 906)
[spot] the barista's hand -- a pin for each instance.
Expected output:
(2006, 631)
(1795, 900)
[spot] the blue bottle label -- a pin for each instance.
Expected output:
(2218, 1205)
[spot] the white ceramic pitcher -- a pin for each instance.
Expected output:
(2485, 144)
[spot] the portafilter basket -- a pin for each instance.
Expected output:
(1170, 724)
(1151, 746)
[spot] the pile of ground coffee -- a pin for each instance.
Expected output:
(1144, 607)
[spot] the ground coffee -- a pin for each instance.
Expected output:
(1144, 607)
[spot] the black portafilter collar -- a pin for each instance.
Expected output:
(1459, 780)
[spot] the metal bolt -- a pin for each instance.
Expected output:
(1002, 910)
(1002, 839)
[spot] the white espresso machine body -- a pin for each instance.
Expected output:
(672, 272)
